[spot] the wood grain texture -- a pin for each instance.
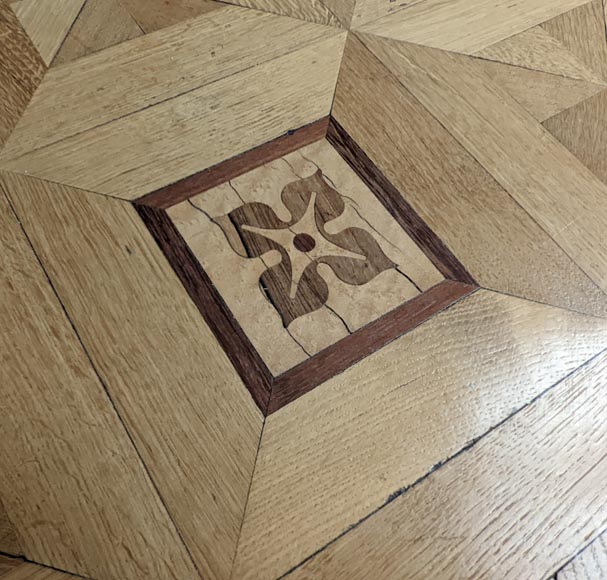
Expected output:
(9, 542)
(536, 49)
(191, 417)
(153, 69)
(583, 130)
(162, 144)
(521, 472)
(152, 15)
(494, 238)
(71, 480)
(465, 26)
(589, 564)
(338, 453)
(34, 572)
(21, 70)
(7, 565)
(369, 10)
(318, 12)
(563, 196)
(582, 31)
(541, 94)
(47, 22)
(100, 24)
(235, 166)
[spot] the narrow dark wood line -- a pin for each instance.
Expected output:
(439, 254)
(247, 362)
(353, 348)
(231, 168)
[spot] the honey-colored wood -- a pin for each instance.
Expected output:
(582, 31)
(536, 49)
(100, 24)
(191, 417)
(563, 196)
(464, 25)
(541, 94)
(287, 325)
(21, 70)
(589, 564)
(516, 505)
(143, 72)
(152, 15)
(139, 153)
(583, 130)
(495, 239)
(71, 481)
(48, 22)
(339, 452)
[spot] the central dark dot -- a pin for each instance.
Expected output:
(304, 242)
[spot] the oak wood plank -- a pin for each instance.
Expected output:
(21, 70)
(9, 542)
(8, 564)
(494, 238)
(192, 419)
(142, 152)
(100, 24)
(555, 188)
(466, 26)
(47, 22)
(336, 454)
(318, 12)
(589, 564)
(518, 504)
(154, 68)
(71, 480)
(152, 15)
(29, 571)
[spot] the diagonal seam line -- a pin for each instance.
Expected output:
(488, 173)
(103, 384)
(335, 32)
(468, 447)
(25, 560)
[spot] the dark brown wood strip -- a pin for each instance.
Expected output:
(440, 255)
(352, 349)
(231, 168)
(249, 365)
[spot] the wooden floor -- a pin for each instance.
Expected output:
(303, 289)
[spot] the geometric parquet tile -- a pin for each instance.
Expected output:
(296, 289)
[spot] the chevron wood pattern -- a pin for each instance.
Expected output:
(303, 289)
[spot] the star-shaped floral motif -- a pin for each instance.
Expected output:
(294, 285)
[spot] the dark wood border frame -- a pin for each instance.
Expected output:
(269, 392)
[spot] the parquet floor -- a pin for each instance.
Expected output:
(303, 290)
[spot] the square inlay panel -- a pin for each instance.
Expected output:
(309, 253)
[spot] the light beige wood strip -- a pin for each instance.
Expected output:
(318, 12)
(368, 10)
(537, 50)
(34, 572)
(157, 146)
(101, 24)
(465, 26)
(583, 130)
(152, 69)
(496, 240)
(71, 480)
(152, 15)
(591, 564)
(562, 195)
(336, 454)
(545, 467)
(582, 31)
(47, 23)
(21, 70)
(540, 94)
(190, 415)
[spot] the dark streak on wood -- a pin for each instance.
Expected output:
(226, 170)
(352, 349)
(436, 251)
(247, 362)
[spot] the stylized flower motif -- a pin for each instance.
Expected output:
(294, 285)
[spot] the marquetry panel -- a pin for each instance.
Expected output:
(518, 504)
(340, 452)
(193, 421)
(72, 483)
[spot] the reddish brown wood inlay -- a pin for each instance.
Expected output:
(352, 349)
(226, 170)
